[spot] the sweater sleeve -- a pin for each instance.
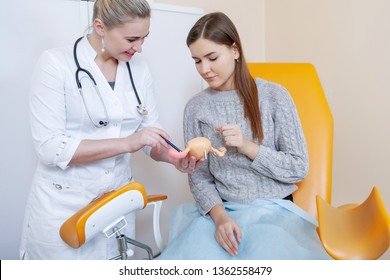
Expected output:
(287, 161)
(201, 182)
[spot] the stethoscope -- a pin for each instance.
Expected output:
(140, 108)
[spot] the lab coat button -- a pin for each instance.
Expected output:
(57, 186)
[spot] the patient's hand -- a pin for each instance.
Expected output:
(227, 231)
(188, 164)
(234, 137)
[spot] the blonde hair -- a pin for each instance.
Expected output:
(116, 12)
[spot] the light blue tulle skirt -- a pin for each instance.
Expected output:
(272, 229)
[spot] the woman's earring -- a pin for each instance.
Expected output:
(237, 60)
(103, 47)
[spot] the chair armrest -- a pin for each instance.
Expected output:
(156, 197)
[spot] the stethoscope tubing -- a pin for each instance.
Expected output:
(140, 108)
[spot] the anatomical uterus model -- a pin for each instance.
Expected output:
(198, 147)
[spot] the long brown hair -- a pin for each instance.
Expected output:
(217, 27)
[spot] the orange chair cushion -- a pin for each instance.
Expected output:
(354, 231)
(302, 81)
(72, 230)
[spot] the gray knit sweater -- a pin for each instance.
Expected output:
(281, 161)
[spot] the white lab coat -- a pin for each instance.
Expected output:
(59, 122)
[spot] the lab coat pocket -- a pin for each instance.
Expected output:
(73, 103)
(52, 202)
(76, 114)
(88, 105)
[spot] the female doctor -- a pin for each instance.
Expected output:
(92, 106)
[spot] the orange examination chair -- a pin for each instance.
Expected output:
(106, 215)
(352, 231)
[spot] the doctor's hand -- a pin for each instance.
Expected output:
(227, 231)
(188, 164)
(149, 136)
(234, 137)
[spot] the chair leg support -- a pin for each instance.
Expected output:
(156, 224)
(140, 245)
(123, 249)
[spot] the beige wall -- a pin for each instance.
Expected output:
(348, 41)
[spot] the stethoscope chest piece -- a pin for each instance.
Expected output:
(142, 110)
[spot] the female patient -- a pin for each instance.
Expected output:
(244, 199)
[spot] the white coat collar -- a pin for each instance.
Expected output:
(87, 48)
